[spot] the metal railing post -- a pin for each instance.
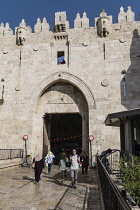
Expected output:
(6, 154)
(113, 200)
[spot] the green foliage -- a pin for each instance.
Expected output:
(131, 177)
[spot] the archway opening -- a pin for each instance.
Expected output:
(64, 132)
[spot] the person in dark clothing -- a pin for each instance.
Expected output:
(105, 160)
(39, 165)
(85, 162)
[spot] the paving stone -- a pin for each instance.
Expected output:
(18, 191)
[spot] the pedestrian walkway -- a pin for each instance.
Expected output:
(18, 191)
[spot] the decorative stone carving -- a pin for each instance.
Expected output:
(121, 9)
(122, 16)
(103, 24)
(105, 83)
(78, 21)
(130, 16)
(45, 25)
(85, 21)
(36, 48)
(38, 26)
(5, 50)
(122, 40)
(21, 33)
(8, 30)
(85, 43)
(1, 28)
(18, 87)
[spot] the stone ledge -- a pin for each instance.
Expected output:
(10, 163)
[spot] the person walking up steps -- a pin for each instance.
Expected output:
(74, 159)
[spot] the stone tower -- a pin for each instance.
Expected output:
(61, 23)
(103, 24)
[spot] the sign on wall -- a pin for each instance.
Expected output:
(25, 137)
(91, 138)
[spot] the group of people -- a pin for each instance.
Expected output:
(65, 162)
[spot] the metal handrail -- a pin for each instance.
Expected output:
(6, 154)
(113, 151)
(112, 197)
(113, 160)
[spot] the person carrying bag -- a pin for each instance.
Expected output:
(74, 159)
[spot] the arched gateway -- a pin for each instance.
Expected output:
(59, 109)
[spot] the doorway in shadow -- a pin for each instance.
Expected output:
(65, 133)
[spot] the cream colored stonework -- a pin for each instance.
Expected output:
(91, 80)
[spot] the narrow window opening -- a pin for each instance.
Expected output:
(59, 18)
(20, 58)
(104, 51)
(61, 57)
(104, 32)
(124, 87)
(103, 22)
(63, 27)
(2, 91)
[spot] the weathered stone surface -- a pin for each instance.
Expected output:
(28, 62)
(18, 191)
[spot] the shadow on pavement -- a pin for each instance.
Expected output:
(28, 178)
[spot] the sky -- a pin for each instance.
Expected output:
(13, 11)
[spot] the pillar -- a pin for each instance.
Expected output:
(85, 133)
(129, 138)
(46, 135)
(122, 135)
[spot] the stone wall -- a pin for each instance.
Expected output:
(97, 59)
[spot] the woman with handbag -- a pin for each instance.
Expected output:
(38, 165)
(63, 164)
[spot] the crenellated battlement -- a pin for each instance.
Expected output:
(103, 27)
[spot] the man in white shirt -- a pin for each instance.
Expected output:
(74, 159)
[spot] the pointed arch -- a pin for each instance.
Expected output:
(67, 77)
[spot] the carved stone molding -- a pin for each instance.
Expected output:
(72, 79)
(18, 87)
(36, 48)
(122, 40)
(105, 83)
